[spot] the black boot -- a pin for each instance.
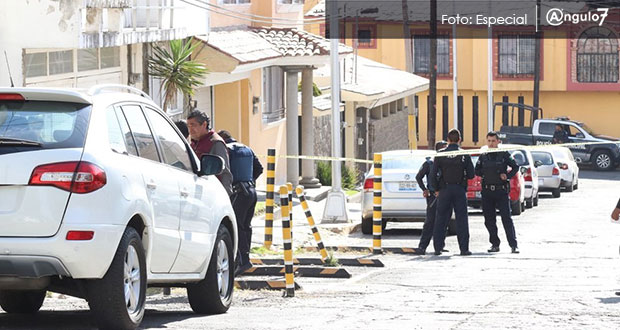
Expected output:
(493, 249)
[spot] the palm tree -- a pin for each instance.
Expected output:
(174, 66)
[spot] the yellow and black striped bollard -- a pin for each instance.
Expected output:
(289, 186)
(377, 218)
(271, 178)
(315, 232)
(288, 243)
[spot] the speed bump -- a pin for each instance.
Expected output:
(325, 272)
(262, 285)
(357, 262)
(395, 250)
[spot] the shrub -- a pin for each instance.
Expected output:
(324, 174)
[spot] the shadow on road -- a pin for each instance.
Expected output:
(598, 175)
(610, 300)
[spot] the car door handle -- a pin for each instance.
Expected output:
(151, 186)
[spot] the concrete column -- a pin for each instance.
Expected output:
(307, 131)
(292, 129)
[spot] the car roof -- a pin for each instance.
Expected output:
(406, 152)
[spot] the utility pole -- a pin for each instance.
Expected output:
(335, 206)
(413, 141)
(432, 100)
(537, 41)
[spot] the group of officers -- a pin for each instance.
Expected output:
(447, 177)
(241, 169)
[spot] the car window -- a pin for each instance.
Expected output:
(52, 124)
(403, 162)
(520, 157)
(130, 143)
(173, 148)
(546, 128)
(115, 135)
(544, 157)
(141, 132)
(572, 130)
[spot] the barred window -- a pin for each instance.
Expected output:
(516, 54)
(597, 56)
(422, 54)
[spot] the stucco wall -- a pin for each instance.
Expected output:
(388, 133)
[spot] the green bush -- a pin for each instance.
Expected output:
(324, 174)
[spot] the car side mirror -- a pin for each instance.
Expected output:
(211, 165)
(537, 163)
(580, 136)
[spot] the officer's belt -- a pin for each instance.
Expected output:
(243, 186)
(493, 187)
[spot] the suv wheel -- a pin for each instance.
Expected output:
(602, 160)
(529, 203)
(118, 299)
(536, 200)
(367, 226)
(571, 186)
(213, 295)
(21, 302)
(556, 193)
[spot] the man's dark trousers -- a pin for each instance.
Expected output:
(498, 199)
(453, 196)
(429, 222)
(243, 203)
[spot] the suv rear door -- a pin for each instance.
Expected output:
(35, 133)
(162, 190)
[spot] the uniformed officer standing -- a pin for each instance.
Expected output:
(431, 204)
(245, 169)
(493, 168)
(451, 192)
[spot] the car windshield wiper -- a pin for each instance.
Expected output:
(19, 142)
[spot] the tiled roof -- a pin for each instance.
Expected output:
(255, 44)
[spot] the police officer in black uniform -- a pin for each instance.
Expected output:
(245, 169)
(493, 168)
(431, 204)
(560, 135)
(451, 192)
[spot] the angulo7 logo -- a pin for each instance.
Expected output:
(557, 16)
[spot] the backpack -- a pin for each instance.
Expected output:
(241, 160)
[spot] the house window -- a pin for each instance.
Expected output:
(422, 54)
(516, 54)
(110, 57)
(36, 64)
(273, 94)
(88, 59)
(597, 56)
(233, 2)
(61, 62)
(366, 36)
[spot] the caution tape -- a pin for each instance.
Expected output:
(431, 153)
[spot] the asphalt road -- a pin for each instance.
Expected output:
(564, 278)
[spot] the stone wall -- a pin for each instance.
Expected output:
(323, 135)
(389, 133)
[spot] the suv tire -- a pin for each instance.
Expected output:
(515, 208)
(602, 161)
(556, 193)
(21, 302)
(127, 273)
(213, 295)
(367, 226)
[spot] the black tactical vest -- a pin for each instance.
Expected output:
(454, 169)
(491, 169)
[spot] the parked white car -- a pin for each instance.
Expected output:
(569, 170)
(525, 160)
(100, 197)
(402, 199)
(548, 172)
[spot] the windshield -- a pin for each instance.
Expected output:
(403, 162)
(520, 157)
(587, 129)
(50, 125)
(544, 157)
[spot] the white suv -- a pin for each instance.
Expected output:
(100, 197)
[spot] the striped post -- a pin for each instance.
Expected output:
(271, 178)
(289, 186)
(288, 243)
(315, 232)
(377, 218)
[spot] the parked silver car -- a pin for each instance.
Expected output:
(548, 172)
(402, 198)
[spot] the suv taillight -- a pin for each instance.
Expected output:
(563, 166)
(528, 175)
(556, 171)
(76, 177)
(368, 184)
